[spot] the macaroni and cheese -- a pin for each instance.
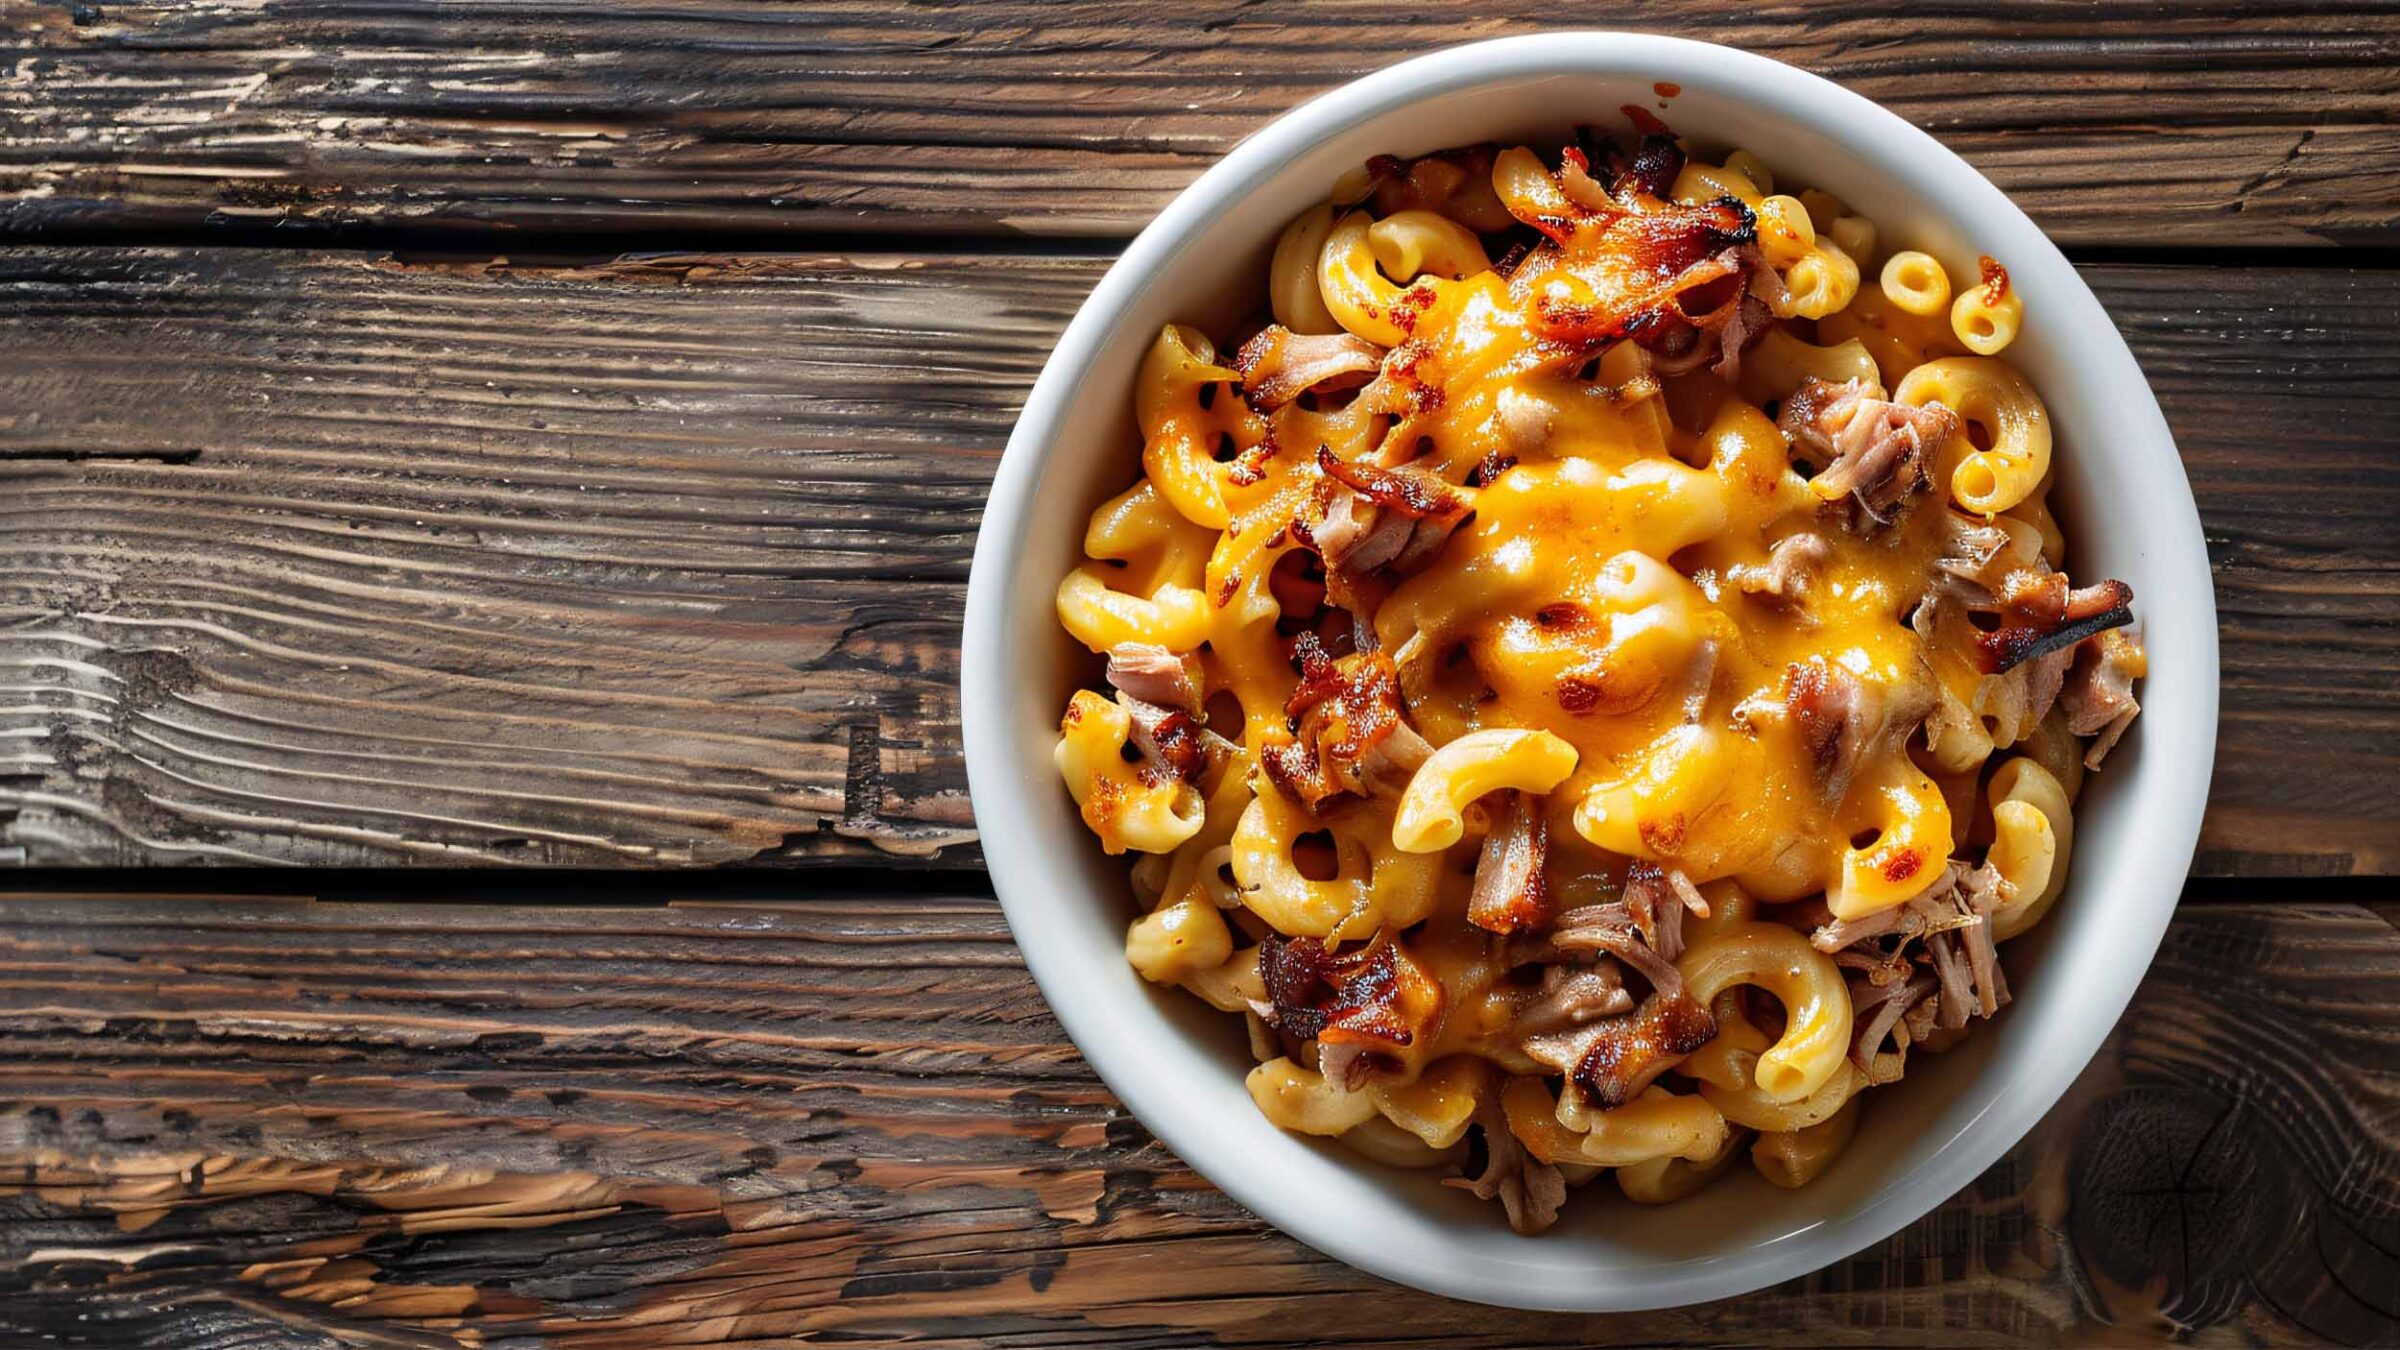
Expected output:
(1589, 675)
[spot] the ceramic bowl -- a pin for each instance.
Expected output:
(1178, 1065)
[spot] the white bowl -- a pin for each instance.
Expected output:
(1179, 1065)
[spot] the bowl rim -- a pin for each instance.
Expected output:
(1771, 88)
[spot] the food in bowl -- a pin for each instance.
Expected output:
(1589, 673)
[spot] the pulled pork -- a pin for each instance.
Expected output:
(2099, 692)
(1847, 720)
(2040, 614)
(1155, 675)
(1930, 962)
(1510, 892)
(1608, 1062)
(1173, 740)
(1370, 517)
(1571, 997)
(1357, 1006)
(1279, 365)
(2032, 627)
(1790, 569)
(1655, 899)
(1528, 1188)
(1348, 737)
(1865, 447)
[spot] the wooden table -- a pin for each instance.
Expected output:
(550, 436)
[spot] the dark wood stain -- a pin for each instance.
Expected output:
(2117, 123)
(655, 561)
(660, 562)
(852, 1118)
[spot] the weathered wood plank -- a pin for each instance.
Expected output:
(315, 557)
(296, 1123)
(2117, 123)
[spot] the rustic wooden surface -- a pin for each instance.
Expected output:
(339, 559)
(593, 488)
(2219, 122)
(852, 1118)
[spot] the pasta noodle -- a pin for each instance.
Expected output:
(1589, 675)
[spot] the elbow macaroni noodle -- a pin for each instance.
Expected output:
(1612, 623)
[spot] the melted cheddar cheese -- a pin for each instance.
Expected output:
(1570, 532)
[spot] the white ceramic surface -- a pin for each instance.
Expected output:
(1178, 1065)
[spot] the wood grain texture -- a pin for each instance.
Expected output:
(323, 558)
(2125, 122)
(852, 1119)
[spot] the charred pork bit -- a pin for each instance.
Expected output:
(1609, 1062)
(1172, 742)
(1155, 675)
(1530, 1190)
(1349, 736)
(1279, 365)
(2099, 693)
(1651, 173)
(2019, 696)
(2034, 628)
(1622, 1056)
(1371, 517)
(1510, 892)
(1357, 1006)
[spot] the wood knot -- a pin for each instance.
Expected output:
(2175, 1191)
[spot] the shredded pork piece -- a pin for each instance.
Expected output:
(1881, 1012)
(1510, 893)
(1571, 997)
(1370, 517)
(1971, 551)
(1935, 953)
(1530, 1190)
(2099, 694)
(1358, 1006)
(1863, 446)
(1352, 739)
(1171, 741)
(1655, 899)
(1609, 1062)
(1847, 720)
(1616, 1059)
(1611, 929)
(1791, 567)
(1279, 365)
(1155, 675)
